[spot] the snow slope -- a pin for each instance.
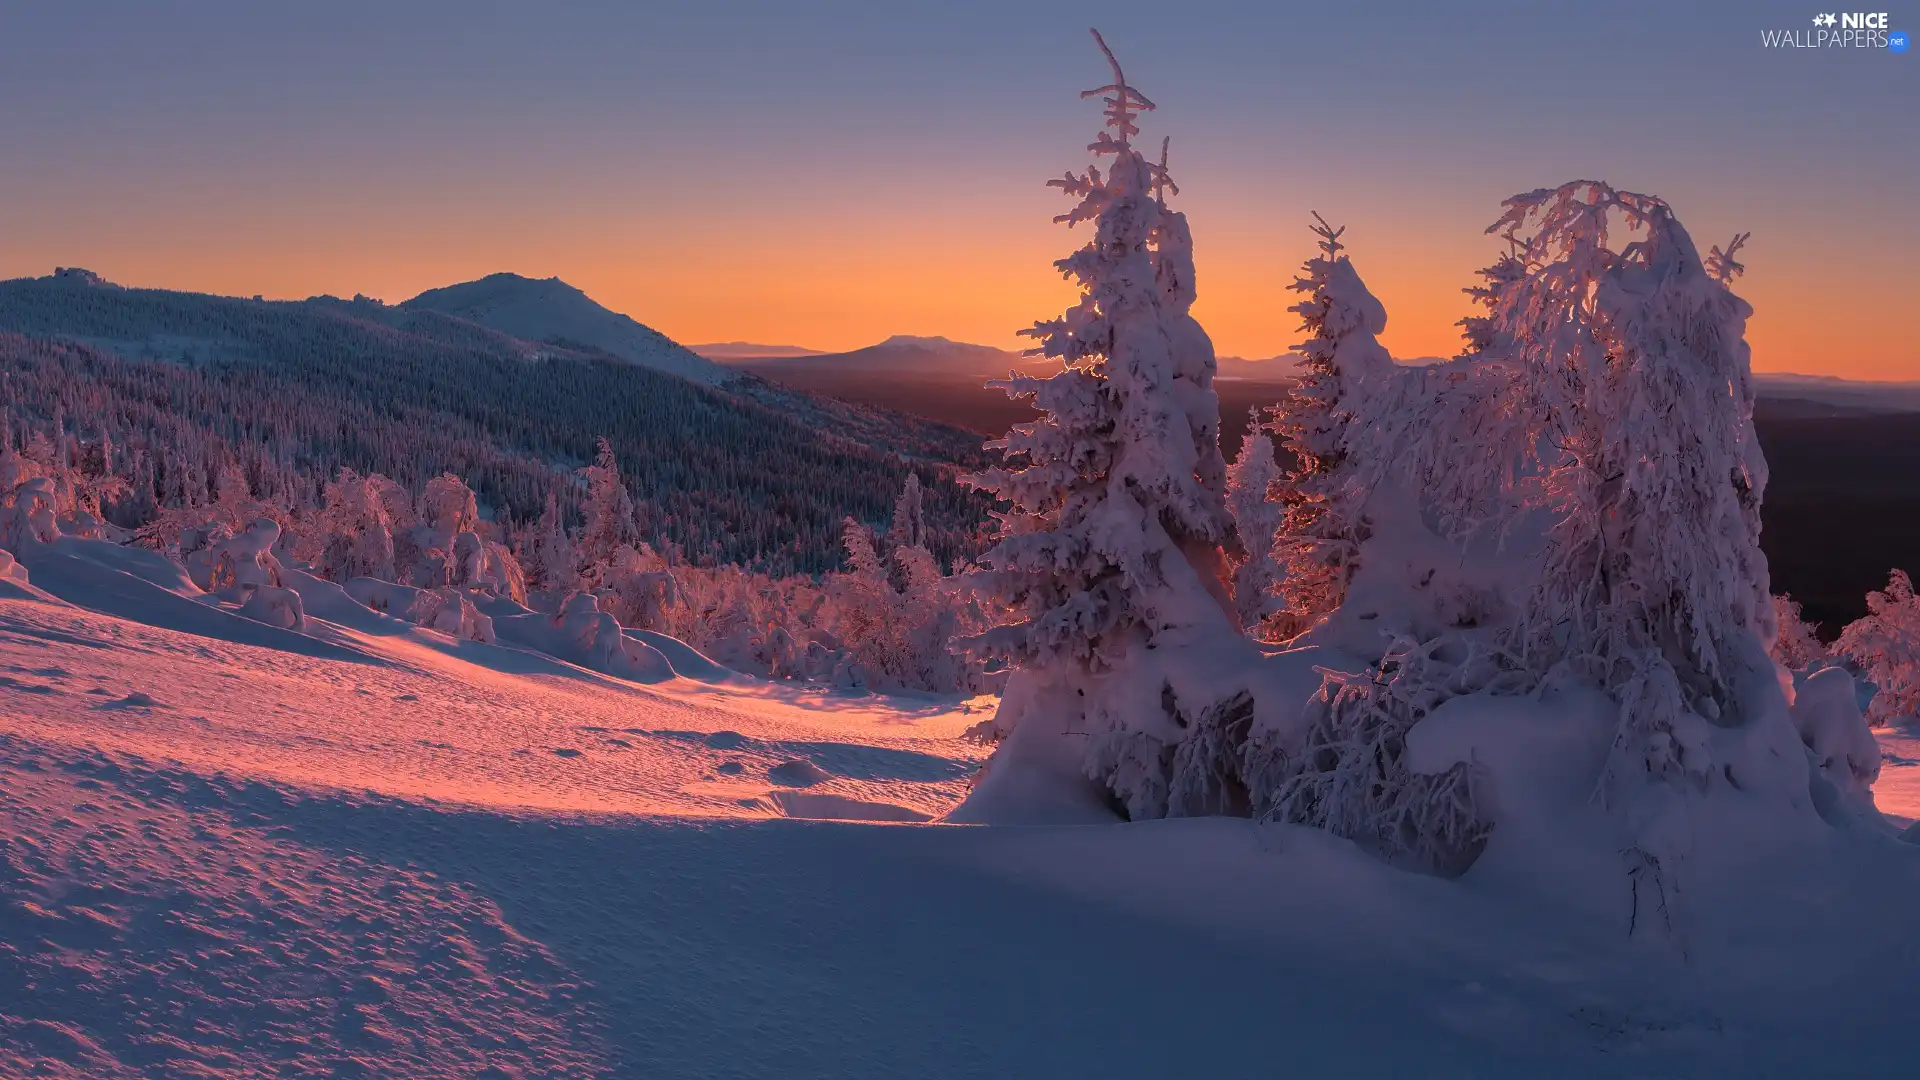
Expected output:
(396, 854)
(549, 309)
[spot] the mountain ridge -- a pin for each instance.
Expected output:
(550, 310)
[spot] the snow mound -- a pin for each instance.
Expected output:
(825, 807)
(144, 587)
(551, 310)
(1845, 755)
(798, 773)
(137, 699)
(583, 634)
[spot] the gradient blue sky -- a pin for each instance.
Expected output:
(826, 174)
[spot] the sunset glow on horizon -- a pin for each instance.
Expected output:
(751, 174)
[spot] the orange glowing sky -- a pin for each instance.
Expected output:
(827, 180)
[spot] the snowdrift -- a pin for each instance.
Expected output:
(311, 616)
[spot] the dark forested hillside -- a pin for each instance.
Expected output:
(752, 473)
(1842, 508)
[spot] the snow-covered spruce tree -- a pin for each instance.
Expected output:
(1636, 379)
(1251, 480)
(1885, 644)
(1341, 359)
(547, 552)
(1108, 557)
(909, 527)
(354, 531)
(908, 530)
(1606, 399)
(609, 513)
(449, 507)
(1170, 247)
(1654, 584)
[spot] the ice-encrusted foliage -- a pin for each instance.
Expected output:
(609, 511)
(1795, 645)
(1251, 481)
(1106, 488)
(1109, 556)
(547, 551)
(1347, 770)
(1603, 407)
(1341, 361)
(1885, 643)
(1170, 247)
(909, 528)
(1636, 375)
(1486, 337)
(353, 536)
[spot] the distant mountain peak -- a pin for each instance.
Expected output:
(915, 354)
(738, 351)
(936, 342)
(549, 309)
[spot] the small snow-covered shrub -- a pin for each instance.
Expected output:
(1885, 643)
(1348, 772)
(353, 534)
(240, 562)
(896, 617)
(639, 589)
(1795, 646)
(27, 516)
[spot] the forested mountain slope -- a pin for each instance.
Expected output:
(749, 472)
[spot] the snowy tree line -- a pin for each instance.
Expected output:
(750, 474)
(430, 556)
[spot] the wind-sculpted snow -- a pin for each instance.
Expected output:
(228, 859)
(163, 925)
(434, 714)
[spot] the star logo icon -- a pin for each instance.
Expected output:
(1824, 20)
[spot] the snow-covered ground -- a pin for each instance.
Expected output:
(234, 852)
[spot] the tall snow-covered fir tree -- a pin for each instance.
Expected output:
(609, 515)
(1341, 359)
(1170, 247)
(909, 528)
(1637, 368)
(1109, 554)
